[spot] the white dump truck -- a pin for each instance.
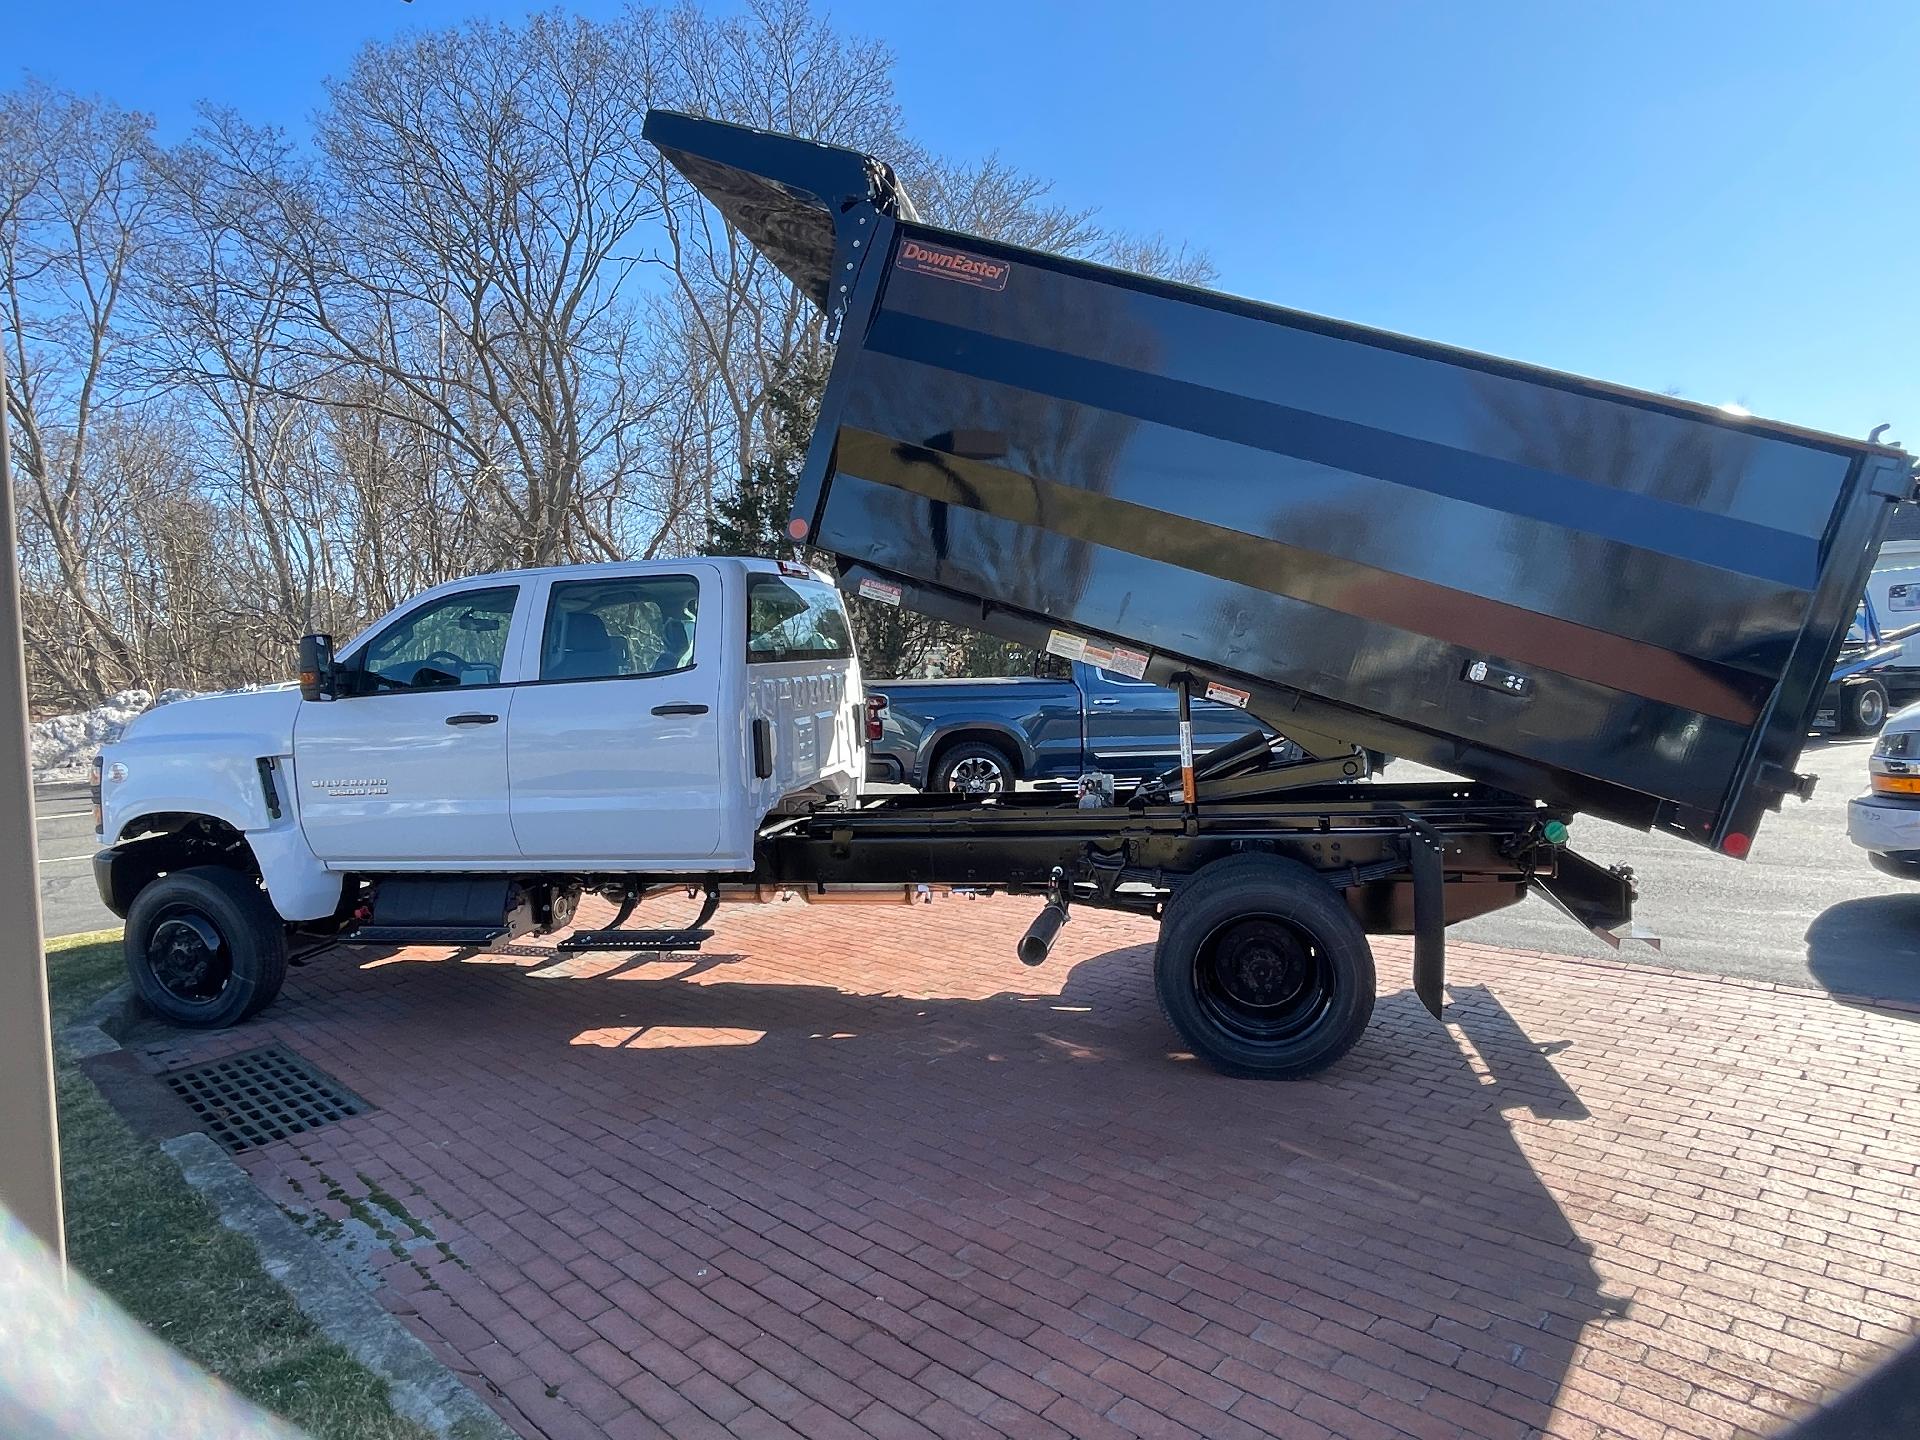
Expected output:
(1579, 597)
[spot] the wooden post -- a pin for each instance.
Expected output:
(29, 1133)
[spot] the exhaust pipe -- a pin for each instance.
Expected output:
(1040, 935)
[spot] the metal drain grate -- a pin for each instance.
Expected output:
(259, 1096)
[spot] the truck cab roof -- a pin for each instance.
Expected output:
(793, 569)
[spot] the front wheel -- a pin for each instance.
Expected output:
(1263, 970)
(204, 947)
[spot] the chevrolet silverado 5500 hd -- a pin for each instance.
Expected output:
(1580, 597)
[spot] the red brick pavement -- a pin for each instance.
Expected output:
(857, 1172)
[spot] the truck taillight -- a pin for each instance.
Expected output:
(876, 707)
(93, 793)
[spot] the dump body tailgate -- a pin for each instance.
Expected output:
(1576, 591)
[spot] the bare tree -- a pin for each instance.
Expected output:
(73, 226)
(777, 67)
(461, 242)
(266, 381)
(218, 312)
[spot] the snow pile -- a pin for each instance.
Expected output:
(65, 745)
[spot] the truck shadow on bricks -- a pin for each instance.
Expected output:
(661, 1189)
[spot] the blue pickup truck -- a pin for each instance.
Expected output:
(1067, 718)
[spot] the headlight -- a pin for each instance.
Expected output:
(1894, 743)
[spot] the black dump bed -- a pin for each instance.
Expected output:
(1577, 592)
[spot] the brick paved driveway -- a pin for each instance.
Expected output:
(857, 1172)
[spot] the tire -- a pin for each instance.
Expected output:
(1863, 708)
(975, 767)
(1902, 866)
(205, 948)
(1263, 970)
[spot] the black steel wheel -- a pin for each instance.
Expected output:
(974, 767)
(204, 947)
(1262, 969)
(1262, 979)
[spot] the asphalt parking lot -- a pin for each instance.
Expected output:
(1804, 909)
(69, 905)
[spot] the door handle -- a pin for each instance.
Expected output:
(1107, 700)
(682, 708)
(473, 719)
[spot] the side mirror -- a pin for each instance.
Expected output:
(316, 667)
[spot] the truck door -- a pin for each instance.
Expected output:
(614, 751)
(409, 764)
(1133, 727)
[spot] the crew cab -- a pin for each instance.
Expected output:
(1067, 718)
(575, 723)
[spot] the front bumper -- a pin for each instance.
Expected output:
(1885, 825)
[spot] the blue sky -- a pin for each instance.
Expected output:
(1718, 198)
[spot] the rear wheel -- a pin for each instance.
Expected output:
(1863, 708)
(974, 767)
(1263, 970)
(204, 947)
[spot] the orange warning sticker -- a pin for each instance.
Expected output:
(1227, 695)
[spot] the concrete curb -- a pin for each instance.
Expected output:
(422, 1389)
(113, 1012)
(419, 1386)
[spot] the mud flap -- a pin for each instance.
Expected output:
(1429, 917)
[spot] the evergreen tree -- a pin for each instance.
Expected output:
(753, 520)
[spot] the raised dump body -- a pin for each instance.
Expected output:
(1580, 593)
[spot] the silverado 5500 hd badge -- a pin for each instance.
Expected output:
(958, 265)
(350, 787)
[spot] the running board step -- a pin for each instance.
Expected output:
(424, 935)
(635, 940)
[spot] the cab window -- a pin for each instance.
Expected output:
(1049, 666)
(795, 620)
(620, 629)
(455, 641)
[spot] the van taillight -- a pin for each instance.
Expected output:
(876, 707)
(93, 793)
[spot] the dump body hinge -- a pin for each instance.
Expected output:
(853, 233)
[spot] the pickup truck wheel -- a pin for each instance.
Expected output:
(204, 947)
(974, 767)
(1263, 970)
(1863, 708)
